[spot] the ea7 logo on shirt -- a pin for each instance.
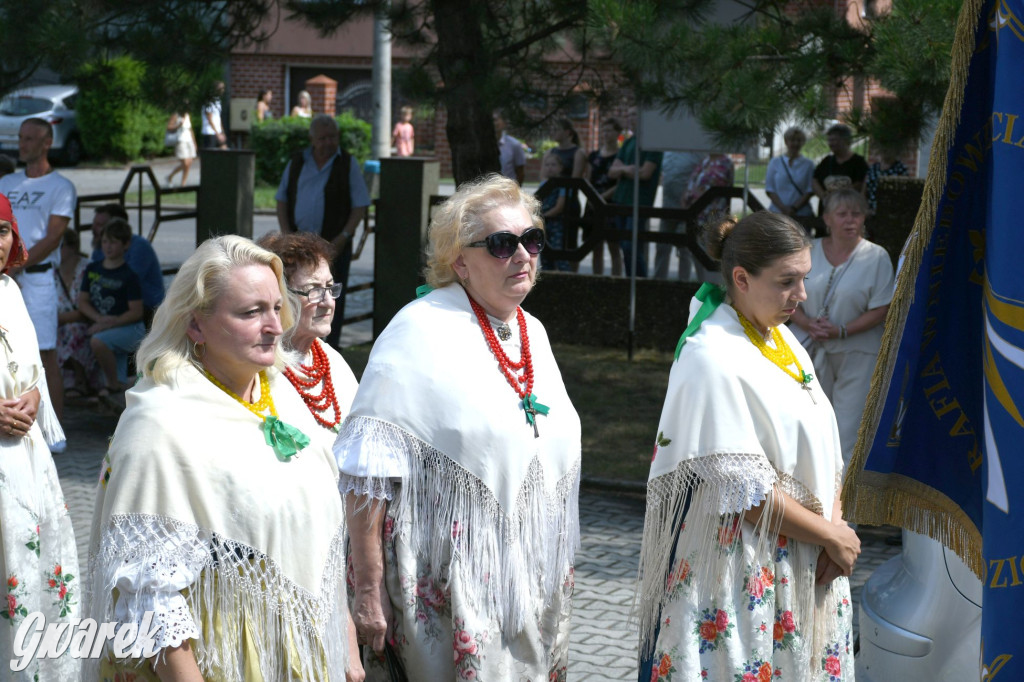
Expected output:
(25, 199)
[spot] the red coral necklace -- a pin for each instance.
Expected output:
(522, 385)
(319, 371)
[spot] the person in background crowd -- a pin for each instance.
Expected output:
(553, 208)
(598, 164)
(217, 515)
(304, 105)
(714, 170)
(322, 191)
(676, 169)
(213, 123)
(403, 137)
(842, 168)
(38, 555)
(462, 477)
(111, 299)
(789, 178)
(745, 558)
(841, 322)
(623, 170)
(82, 374)
(263, 100)
(185, 148)
(141, 258)
(890, 165)
(510, 151)
(43, 201)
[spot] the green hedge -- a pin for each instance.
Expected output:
(275, 142)
(114, 118)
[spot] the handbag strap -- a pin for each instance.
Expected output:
(785, 167)
(833, 282)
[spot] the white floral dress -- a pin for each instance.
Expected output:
(38, 558)
(720, 598)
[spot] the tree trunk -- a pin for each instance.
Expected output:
(463, 62)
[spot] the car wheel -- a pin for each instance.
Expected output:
(72, 152)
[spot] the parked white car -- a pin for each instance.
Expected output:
(56, 104)
(920, 617)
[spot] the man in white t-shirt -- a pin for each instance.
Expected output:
(43, 201)
(213, 126)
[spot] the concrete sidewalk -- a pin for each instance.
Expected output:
(603, 640)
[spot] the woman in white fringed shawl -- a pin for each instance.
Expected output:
(460, 462)
(216, 510)
(745, 552)
(38, 558)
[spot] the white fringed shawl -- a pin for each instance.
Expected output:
(733, 426)
(190, 481)
(24, 354)
(433, 396)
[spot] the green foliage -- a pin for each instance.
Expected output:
(276, 140)
(783, 60)
(114, 117)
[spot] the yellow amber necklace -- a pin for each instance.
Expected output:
(782, 356)
(257, 408)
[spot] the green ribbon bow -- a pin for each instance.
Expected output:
(711, 296)
(533, 408)
(806, 377)
(284, 438)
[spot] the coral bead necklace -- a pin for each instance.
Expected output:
(521, 384)
(318, 372)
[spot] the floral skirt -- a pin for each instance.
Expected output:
(439, 636)
(39, 559)
(747, 626)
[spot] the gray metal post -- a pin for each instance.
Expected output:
(380, 146)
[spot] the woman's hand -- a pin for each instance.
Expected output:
(355, 672)
(15, 420)
(29, 403)
(822, 329)
(843, 548)
(827, 570)
(372, 616)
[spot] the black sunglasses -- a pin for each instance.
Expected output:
(503, 244)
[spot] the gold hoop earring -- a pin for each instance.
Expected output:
(195, 350)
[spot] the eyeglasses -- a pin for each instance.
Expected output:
(503, 244)
(318, 294)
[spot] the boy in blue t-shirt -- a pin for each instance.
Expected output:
(111, 297)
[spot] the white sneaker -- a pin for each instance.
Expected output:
(59, 447)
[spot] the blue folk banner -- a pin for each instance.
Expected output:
(941, 447)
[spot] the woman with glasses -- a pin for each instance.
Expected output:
(460, 461)
(323, 378)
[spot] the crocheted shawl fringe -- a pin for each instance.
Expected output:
(297, 635)
(514, 561)
(716, 505)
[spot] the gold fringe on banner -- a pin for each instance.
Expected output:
(875, 498)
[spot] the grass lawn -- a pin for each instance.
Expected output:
(619, 403)
(263, 198)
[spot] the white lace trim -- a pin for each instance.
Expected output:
(230, 581)
(712, 490)
(515, 561)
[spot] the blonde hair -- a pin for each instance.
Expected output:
(460, 218)
(200, 282)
